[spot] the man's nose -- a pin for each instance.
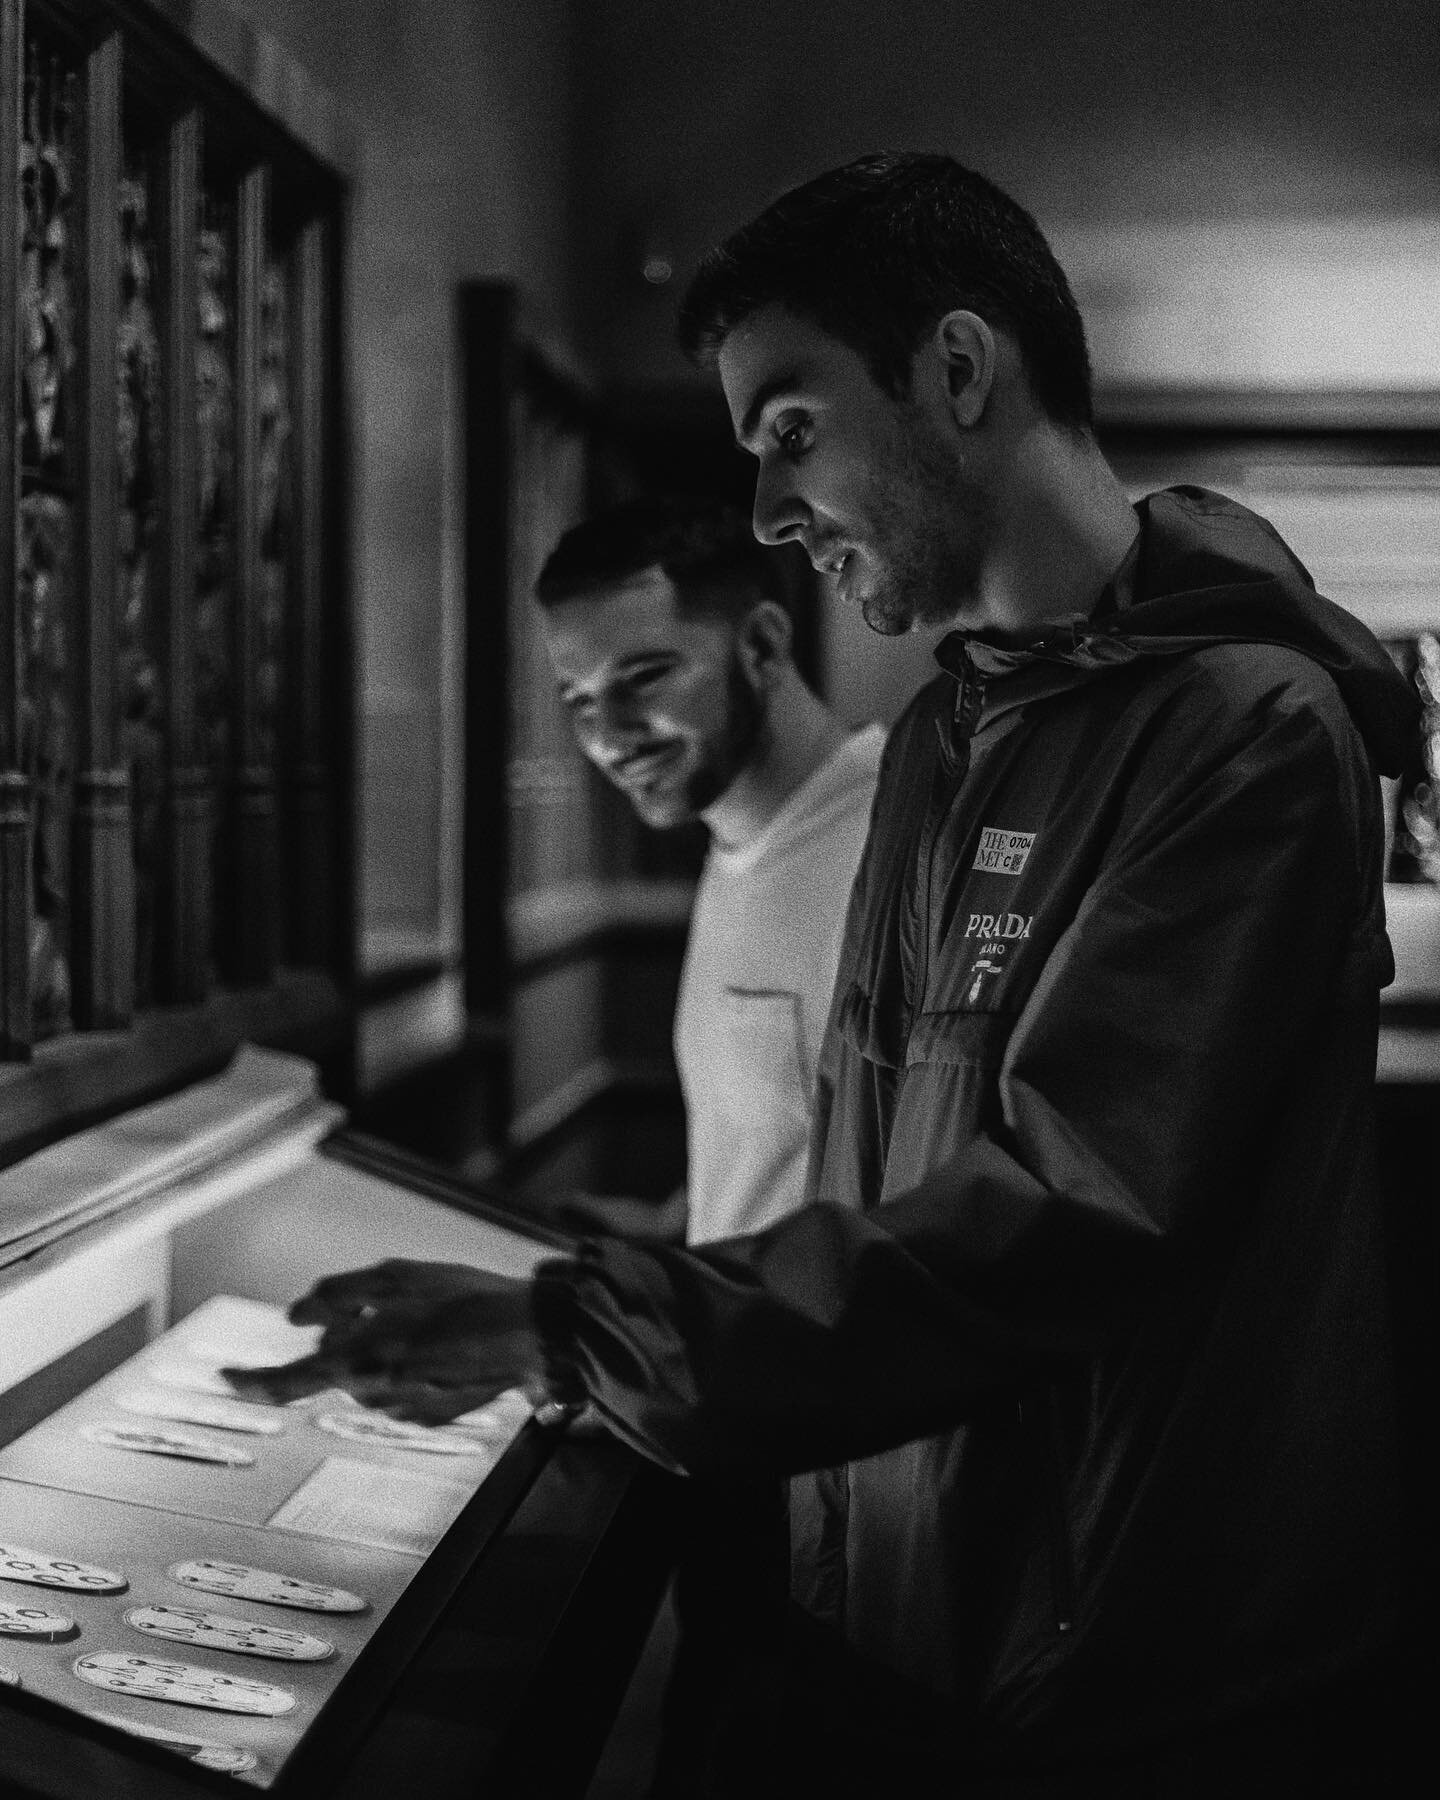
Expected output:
(612, 730)
(779, 512)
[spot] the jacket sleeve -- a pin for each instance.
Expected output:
(1135, 1096)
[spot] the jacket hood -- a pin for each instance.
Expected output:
(1207, 570)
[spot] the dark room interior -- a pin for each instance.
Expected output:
(322, 943)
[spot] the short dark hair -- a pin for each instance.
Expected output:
(706, 547)
(876, 252)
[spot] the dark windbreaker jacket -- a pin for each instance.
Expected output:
(1085, 1332)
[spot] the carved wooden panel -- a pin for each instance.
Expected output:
(48, 553)
(172, 821)
(309, 702)
(103, 914)
(183, 886)
(138, 425)
(15, 909)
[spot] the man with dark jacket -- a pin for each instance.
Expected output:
(1081, 1343)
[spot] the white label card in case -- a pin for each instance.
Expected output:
(182, 1684)
(203, 1409)
(42, 1570)
(35, 1622)
(220, 1631)
(188, 1446)
(378, 1428)
(229, 1758)
(236, 1581)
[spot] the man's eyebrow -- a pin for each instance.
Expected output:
(634, 658)
(768, 391)
(622, 665)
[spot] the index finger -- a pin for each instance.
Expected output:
(279, 1383)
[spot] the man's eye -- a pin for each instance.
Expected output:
(648, 677)
(794, 440)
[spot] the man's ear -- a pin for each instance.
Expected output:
(965, 345)
(764, 641)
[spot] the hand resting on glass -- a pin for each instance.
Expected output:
(419, 1341)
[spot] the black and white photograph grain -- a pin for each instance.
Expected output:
(719, 899)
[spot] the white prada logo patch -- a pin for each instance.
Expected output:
(1002, 852)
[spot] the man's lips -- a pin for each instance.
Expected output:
(642, 766)
(829, 559)
(839, 568)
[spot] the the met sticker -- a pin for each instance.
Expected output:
(1002, 852)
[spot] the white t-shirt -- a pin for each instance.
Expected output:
(759, 968)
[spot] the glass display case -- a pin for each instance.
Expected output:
(310, 1599)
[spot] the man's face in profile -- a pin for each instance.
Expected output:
(876, 489)
(658, 698)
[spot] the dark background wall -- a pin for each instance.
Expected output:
(462, 116)
(1242, 193)
(1119, 111)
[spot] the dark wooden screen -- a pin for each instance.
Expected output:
(174, 757)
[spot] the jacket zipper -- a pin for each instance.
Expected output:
(966, 714)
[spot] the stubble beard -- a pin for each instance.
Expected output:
(733, 748)
(930, 524)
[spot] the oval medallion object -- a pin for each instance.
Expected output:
(188, 1446)
(229, 1759)
(181, 1684)
(394, 1434)
(42, 1570)
(10, 1678)
(35, 1622)
(203, 1409)
(236, 1581)
(220, 1631)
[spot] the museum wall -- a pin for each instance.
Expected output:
(461, 120)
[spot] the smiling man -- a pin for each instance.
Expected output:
(1088, 1310)
(668, 630)
(670, 636)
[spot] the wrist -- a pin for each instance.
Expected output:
(554, 1315)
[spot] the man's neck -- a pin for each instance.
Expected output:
(800, 735)
(1065, 526)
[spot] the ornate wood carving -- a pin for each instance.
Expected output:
(103, 920)
(14, 786)
(173, 651)
(250, 948)
(310, 839)
(50, 282)
(141, 673)
(183, 936)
